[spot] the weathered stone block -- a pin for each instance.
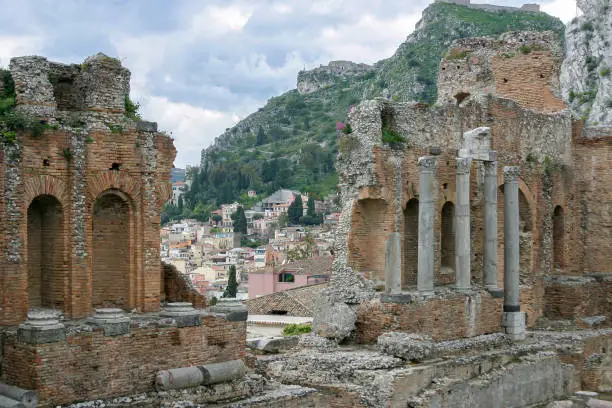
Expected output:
(232, 309)
(146, 126)
(407, 346)
(42, 327)
(273, 345)
(334, 320)
(113, 321)
(183, 314)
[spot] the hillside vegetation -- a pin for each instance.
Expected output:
(291, 142)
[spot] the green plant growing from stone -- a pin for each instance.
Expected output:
(116, 129)
(604, 72)
(9, 136)
(296, 329)
(456, 54)
(131, 109)
(392, 138)
(67, 153)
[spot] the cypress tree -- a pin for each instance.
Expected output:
(232, 284)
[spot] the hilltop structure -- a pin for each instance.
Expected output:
(533, 7)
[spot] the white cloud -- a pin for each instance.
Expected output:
(192, 127)
(216, 20)
(12, 46)
(563, 9)
(364, 40)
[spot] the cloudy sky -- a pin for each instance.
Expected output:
(199, 66)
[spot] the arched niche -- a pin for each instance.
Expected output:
(111, 251)
(45, 253)
(410, 244)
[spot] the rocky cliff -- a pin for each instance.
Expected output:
(586, 74)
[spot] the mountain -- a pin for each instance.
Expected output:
(586, 75)
(291, 141)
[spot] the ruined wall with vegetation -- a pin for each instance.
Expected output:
(74, 150)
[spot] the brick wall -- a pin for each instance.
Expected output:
(372, 220)
(98, 258)
(111, 252)
(89, 365)
(451, 317)
(581, 297)
(177, 288)
(46, 269)
(526, 78)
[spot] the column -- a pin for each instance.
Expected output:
(513, 320)
(393, 264)
(490, 225)
(425, 273)
(463, 247)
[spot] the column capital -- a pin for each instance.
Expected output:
(463, 165)
(427, 163)
(511, 174)
(490, 168)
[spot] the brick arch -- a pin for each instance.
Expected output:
(164, 190)
(35, 186)
(527, 195)
(116, 181)
(531, 230)
(113, 232)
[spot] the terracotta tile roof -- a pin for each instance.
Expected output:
(317, 265)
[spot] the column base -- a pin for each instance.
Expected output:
(514, 325)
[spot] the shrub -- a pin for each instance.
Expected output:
(604, 72)
(456, 53)
(295, 329)
(131, 109)
(588, 26)
(392, 138)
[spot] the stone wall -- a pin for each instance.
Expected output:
(177, 287)
(522, 66)
(89, 365)
(444, 317)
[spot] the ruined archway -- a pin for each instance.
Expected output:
(447, 239)
(411, 244)
(45, 253)
(558, 237)
(111, 259)
(368, 238)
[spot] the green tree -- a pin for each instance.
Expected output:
(217, 218)
(180, 204)
(232, 284)
(311, 207)
(296, 210)
(239, 220)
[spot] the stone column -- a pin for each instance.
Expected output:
(425, 275)
(393, 264)
(463, 249)
(513, 320)
(490, 225)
